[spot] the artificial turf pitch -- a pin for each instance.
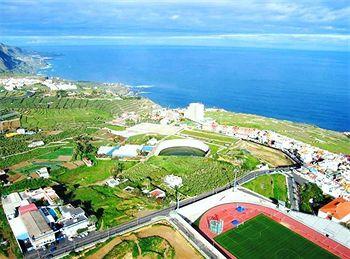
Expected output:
(262, 237)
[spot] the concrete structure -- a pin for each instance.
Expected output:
(11, 202)
(337, 210)
(195, 112)
(113, 182)
(69, 212)
(38, 230)
(48, 194)
(127, 151)
(18, 228)
(147, 128)
(72, 226)
(192, 143)
(43, 172)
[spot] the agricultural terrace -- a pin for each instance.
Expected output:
(52, 155)
(61, 119)
(325, 139)
(271, 186)
(239, 152)
(159, 240)
(199, 174)
(147, 247)
(264, 237)
(113, 206)
(61, 113)
(85, 176)
(270, 156)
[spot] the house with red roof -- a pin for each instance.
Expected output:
(337, 210)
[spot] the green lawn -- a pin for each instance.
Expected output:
(326, 139)
(262, 237)
(64, 151)
(142, 138)
(84, 175)
(209, 136)
(270, 186)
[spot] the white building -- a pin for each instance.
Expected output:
(36, 144)
(195, 112)
(38, 230)
(73, 220)
(43, 172)
(72, 226)
(113, 182)
(127, 151)
(11, 202)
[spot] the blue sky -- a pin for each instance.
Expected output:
(312, 24)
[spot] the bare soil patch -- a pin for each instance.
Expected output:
(182, 248)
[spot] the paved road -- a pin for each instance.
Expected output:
(292, 192)
(68, 246)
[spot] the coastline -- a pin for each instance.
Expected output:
(172, 77)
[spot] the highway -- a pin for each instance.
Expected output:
(93, 237)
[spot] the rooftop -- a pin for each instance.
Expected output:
(338, 208)
(27, 208)
(35, 224)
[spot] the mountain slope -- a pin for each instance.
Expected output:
(13, 59)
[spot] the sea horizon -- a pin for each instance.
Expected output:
(304, 86)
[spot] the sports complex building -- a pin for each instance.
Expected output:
(240, 226)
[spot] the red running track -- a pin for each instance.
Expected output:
(228, 212)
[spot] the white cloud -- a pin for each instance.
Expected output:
(174, 17)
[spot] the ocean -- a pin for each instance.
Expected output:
(303, 86)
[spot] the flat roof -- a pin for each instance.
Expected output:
(338, 208)
(35, 224)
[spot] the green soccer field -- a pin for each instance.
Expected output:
(262, 237)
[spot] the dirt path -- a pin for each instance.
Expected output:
(105, 249)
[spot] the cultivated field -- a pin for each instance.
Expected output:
(199, 174)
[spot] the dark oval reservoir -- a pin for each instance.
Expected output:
(182, 151)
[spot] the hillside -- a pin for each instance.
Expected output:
(13, 59)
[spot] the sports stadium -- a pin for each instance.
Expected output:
(247, 230)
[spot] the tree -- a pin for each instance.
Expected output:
(312, 198)
(61, 93)
(83, 146)
(118, 170)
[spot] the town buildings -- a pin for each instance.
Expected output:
(38, 218)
